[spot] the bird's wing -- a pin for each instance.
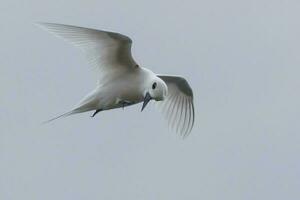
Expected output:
(178, 107)
(108, 52)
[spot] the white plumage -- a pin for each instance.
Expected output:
(122, 82)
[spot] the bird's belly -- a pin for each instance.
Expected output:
(123, 98)
(124, 91)
(130, 97)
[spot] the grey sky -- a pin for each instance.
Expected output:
(241, 59)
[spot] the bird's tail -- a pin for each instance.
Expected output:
(87, 104)
(60, 116)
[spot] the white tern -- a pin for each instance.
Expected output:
(122, 82)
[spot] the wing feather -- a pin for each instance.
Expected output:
(184, 128)
(178, 107)
(109, 52)
(190, 117)
(181, 112)
(175, 119)
(174, 107)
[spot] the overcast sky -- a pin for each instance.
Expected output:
(241, 59)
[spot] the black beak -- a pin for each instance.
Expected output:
(147, 98)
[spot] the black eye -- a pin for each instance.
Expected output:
(154, 85)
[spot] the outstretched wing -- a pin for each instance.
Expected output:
(108, 52)
(178, 107)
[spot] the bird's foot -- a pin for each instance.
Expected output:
(98, 110)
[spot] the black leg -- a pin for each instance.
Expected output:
(96, 112)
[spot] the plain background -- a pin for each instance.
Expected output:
(241, 59)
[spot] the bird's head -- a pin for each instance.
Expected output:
(156, 89)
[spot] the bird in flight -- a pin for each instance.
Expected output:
(122, 82)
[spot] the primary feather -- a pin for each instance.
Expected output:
(106, 51)
(179, 106)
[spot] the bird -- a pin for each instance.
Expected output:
(122, 82)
